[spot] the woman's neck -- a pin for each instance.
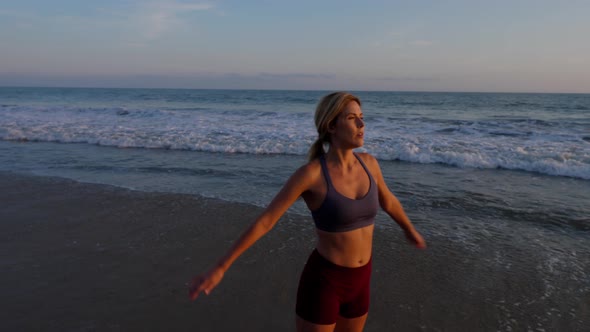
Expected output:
(340, 156)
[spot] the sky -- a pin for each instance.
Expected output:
(419, 45)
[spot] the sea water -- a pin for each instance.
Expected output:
(505, 176)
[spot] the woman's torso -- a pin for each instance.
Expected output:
(345, 242)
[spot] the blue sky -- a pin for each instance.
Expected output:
(495, 46)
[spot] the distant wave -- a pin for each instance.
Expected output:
(501, 159)
(547, 147)
(404, 152)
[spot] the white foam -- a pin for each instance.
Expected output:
(520, 145)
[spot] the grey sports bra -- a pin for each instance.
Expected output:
(339, 213)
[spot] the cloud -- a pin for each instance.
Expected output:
(157, 17)
(18, 20)
(421, 42)
(406, 79)
(140, 23)
(4, 12)
(396, 34)
(294, 75)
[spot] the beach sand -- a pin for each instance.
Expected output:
(88, 257)
(83, 257)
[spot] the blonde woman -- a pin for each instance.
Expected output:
(343, 190)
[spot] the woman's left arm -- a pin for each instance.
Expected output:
(391, 205)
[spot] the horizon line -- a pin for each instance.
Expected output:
(278, 89)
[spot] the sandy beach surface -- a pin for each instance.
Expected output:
(88, 257)
(84, 257)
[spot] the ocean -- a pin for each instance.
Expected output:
(504, 176)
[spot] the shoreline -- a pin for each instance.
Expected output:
(81, 257)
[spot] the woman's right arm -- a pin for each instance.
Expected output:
(298, 183)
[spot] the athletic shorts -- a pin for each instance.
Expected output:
(327, 290)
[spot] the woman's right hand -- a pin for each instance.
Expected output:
(205, 282)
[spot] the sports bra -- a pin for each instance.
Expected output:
(339, 213)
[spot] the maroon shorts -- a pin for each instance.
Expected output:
(327, 290)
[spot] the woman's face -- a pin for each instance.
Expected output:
(349, 129)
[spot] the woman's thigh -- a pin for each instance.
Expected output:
(304, 326)
(351, 324)
(342, 325)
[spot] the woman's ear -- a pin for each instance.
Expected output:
(332, 126)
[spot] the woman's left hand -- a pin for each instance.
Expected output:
(415, 237)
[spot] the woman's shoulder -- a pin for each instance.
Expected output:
(367, 158)
(310, 170)
(370, 161)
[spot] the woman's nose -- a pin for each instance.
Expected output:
(360, 123)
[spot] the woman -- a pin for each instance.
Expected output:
(343, 190)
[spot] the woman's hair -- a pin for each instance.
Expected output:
(326, 114)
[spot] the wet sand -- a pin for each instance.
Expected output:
(83, 257)
(87, 257)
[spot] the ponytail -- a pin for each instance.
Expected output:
(316, 150)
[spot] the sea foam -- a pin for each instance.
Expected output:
(554, 148)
